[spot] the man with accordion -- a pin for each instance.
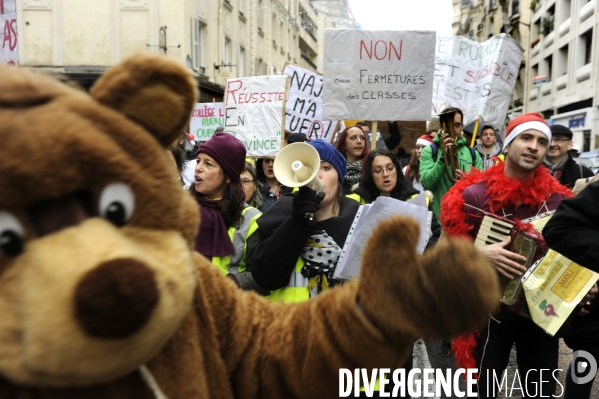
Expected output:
(494, 208)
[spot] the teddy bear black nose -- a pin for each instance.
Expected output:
(115, 299)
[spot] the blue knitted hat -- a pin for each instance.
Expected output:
(328, 153)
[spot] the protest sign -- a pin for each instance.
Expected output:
(9, 54)
(378, 75)
(206, 117)
(303, 112)
(254, 110)
(477, 78)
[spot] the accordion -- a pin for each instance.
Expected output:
(530, 244)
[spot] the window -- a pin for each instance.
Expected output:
(226, 50)
(240, 7)
(241, 63)
(260, 67)
(261, 12)
(198, 32)
(561, 65)
(548, 67)
(588, 45)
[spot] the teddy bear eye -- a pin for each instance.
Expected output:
(11, 234)
(117, 203)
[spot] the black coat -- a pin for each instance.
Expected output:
(282, 240)
(573, 231)
(573, 171)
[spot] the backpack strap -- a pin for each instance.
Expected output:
(435, 151)
(473, 155)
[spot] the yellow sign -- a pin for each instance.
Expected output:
(553, 288)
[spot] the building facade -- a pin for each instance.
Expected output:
(217, 39)
(559, 73)
(564, 67)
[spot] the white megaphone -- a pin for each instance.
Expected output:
(297, 165)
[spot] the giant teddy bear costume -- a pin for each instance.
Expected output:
(102, 295)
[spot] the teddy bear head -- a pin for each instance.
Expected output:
(96, 234)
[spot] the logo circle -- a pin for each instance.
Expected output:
(583, 367)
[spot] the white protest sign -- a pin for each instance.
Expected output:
(206, 117)
(254, 110)
(378, 75)
(477, 78)
(9, 54)
(303, 112)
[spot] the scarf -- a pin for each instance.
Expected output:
(502, 191)
(556, 169)
(354, 172)
(320, 256)
(256, 200)
(213, 236)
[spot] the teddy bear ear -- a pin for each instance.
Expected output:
(151, 90)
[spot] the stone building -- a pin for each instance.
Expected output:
(217, 39)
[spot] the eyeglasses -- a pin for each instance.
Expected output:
(378, 171)
(560, 139)
(246, 182)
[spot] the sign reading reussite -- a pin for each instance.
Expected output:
(378, 75)
(254, 111)
(477, 78)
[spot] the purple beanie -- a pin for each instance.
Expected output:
(228, 151)
(328, 153)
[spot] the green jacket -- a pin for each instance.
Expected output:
(433, 175)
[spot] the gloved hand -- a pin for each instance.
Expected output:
(447, 291)
(306, 201)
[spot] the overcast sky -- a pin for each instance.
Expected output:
(434, 15)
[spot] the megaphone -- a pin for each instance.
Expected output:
(297, 165)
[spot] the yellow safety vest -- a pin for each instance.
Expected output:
(239, 236)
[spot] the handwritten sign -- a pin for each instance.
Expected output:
(205, 118)
(378, 75)
(303, 112)
(9, 54)
(477, 78)
(254, 112)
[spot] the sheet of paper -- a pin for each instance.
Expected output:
(382, 209)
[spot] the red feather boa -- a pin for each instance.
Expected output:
(503, 191)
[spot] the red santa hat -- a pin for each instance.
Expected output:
(425, 140)
(532, 120)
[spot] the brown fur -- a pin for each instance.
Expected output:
(204, 338)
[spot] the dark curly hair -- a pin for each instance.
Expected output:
(368, 190)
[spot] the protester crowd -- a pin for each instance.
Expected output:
(285, 243)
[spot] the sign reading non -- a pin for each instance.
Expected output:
(205, 118)
(254, 111)
(9, 54)
(303, 112)
(477, 78)
(378, 75)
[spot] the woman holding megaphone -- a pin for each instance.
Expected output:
(301, 235)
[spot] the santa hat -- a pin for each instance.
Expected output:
(532, 120)
(425, 140)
